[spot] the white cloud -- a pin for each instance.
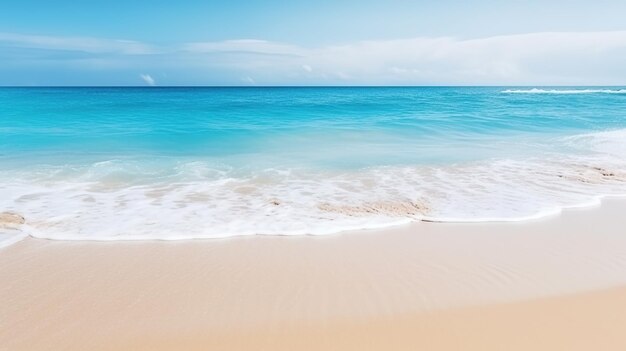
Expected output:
(148, 79)
(543, 58)
(585, 58)
(538, 58)
(244, 46)
(84, 44)
(248, 80)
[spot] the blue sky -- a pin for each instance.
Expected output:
(481, 42)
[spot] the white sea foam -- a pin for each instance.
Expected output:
(126, 200)
(8, 238)
(564, 91)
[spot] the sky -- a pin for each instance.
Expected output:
(350, 42)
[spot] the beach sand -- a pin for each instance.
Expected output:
(553, 284)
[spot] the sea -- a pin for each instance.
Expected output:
(132, 163)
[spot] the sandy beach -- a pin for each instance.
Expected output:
(312, 176)
(557, 283)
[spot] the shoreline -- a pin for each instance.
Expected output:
(595, 202)
(471, 281)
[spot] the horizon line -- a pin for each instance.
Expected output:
(310, 86)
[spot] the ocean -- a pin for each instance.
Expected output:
(182, 163)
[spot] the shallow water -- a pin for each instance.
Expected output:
(170, 163)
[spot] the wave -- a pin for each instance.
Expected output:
(8, 238)
(107, 201)
(564, 91)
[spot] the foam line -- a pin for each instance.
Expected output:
(564, 91)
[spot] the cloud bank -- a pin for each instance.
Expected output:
(567, 58)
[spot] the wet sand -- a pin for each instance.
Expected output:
(551, 284)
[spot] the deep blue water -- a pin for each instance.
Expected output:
(338, 127)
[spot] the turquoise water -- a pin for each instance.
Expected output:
(133, 163)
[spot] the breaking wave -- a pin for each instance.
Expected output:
(123, 200)
(564, 91)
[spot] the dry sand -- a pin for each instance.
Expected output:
(552, 284)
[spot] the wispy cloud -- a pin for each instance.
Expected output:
(536, 58)
(148, 79)
(251, 46)
(84, 44)
(248, 80)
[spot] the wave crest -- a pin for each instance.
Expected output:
(202, 200)
(564, 91)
